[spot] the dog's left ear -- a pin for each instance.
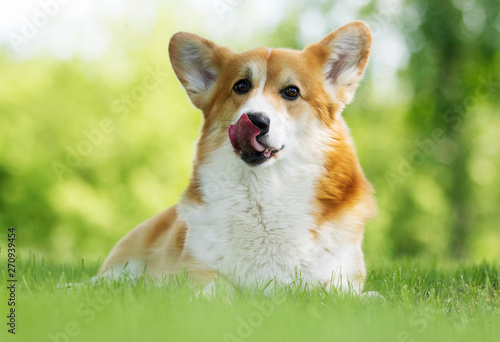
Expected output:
(343, 55)
(196, 62)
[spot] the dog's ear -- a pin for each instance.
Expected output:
(343, 55)
(196, 62)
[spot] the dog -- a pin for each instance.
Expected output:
(276, 190)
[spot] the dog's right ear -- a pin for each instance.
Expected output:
(196, 62)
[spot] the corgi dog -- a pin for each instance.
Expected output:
(276, 189)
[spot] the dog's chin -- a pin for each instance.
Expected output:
(254, 158)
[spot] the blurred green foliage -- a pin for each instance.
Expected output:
(90, 149)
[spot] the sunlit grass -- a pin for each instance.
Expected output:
(423, 301)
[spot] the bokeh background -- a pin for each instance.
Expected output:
(96, 134)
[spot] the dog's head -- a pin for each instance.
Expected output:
(268, 103)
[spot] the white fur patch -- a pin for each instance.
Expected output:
(255, 223)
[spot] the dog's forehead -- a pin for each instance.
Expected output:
(270, 64)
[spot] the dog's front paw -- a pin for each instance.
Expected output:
(215, 289)
(371, 295)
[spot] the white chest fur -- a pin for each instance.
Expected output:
(255, 223)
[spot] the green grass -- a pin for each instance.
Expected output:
(424, 301)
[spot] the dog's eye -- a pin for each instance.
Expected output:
(290, 93)
(242, 86)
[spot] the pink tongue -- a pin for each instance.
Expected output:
(243, 135)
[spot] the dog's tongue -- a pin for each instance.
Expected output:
(243, 135)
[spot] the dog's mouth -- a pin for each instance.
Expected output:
(255, 158)
(246, 139)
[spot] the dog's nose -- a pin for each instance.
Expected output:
(261, 121)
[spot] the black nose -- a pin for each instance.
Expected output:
(261, 121)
